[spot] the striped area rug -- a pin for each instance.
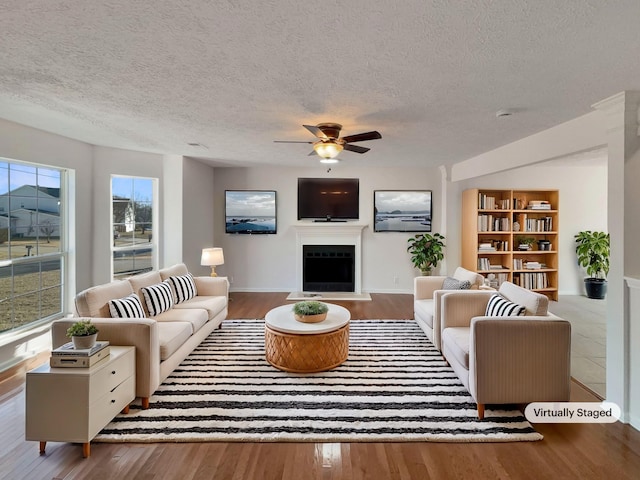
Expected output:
(394, 387)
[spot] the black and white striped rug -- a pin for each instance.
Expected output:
(394, 387)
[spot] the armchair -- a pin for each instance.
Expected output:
(507, 360)
(427, 292)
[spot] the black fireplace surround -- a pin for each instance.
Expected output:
(328, 268)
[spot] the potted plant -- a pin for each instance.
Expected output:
(593, 250)
(83, 333)
(310, 311)
(426, 251)
(524, 243)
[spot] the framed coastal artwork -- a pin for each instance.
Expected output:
(402, 210)
(250, 211)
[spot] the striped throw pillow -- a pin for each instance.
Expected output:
(158, 298)
(499, 306)
(184, 287)
(127, 307)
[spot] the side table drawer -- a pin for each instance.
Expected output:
(108, 406)
(111, 375)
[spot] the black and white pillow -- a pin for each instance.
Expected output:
(158, 298)
(499, 306)
(184, 287)
(127, 307)
(451, 283)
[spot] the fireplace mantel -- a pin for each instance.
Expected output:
(330, 233)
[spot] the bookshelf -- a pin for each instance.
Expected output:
(494, 224)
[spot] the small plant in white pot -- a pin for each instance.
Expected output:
(310, 311)
(83, 334)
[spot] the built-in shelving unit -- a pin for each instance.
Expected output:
(495, 223)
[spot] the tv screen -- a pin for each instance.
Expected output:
(250, 211)
(402, 210)
(328, 198)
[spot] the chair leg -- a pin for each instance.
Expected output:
(145, 403)
(481, 411)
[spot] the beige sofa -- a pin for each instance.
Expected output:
(161, 342)
(427, 292)
(507, 360)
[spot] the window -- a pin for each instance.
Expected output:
(32, 251)
(133, 213)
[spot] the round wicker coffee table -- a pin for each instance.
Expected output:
(299, 347)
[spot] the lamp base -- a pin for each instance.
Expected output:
(213, 271)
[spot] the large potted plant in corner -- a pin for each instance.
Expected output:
(593, 250)
(426, 251)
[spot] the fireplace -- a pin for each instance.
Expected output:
(332, 235)
(328, 268)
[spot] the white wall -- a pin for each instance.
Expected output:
(268, 263)
(583, 204)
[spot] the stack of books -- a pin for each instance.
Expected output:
(68, 356)
(486, 247)
(539, 205)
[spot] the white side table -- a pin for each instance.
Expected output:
(74, 404)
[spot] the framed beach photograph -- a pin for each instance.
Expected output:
(250, 211)
(402, 210)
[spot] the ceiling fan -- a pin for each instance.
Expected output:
(331, 144)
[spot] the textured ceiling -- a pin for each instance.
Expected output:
(235, 75)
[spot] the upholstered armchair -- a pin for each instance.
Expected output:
(507, 359)
(427, 291)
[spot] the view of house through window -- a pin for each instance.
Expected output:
(31, 244)
(134, 245)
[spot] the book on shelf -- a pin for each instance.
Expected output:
(76, 361)
(69, 350)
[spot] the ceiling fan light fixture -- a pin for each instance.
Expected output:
(327, 150)
(329, 160)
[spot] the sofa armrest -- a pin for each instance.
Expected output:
(458, 307)
(212, 286)
(424, 286)
(141, 333)
(520, 359)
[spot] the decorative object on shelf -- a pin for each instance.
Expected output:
(83, 334)
(544, 245)
(593, 250)
(212, 257)
(310, 311)
(524, 243)
(426, 251)
(516, 227)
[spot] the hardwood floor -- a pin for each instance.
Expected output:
(571, 451)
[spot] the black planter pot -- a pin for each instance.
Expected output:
(596, 287)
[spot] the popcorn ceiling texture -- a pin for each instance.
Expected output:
(235, 75)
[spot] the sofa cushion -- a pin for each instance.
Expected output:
(450, 283)
(423, 309)
(534, 303)
(172, 335)
(213, 305)
(174, 270)
(94, 301)
(498, 306)
(457, 341)
(159, 298)
(127, 307)
(197, 317)
(184, 287)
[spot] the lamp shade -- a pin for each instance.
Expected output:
(212, 256)
(327, 149)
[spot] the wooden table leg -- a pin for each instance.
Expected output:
(86, 449)
(43, 445)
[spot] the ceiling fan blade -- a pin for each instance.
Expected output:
(316, 131)
(288, 141)
(313, 152)
(361, 137)
(356, 148)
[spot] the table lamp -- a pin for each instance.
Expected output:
(212, 257)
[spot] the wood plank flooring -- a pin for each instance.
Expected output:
(568, 451)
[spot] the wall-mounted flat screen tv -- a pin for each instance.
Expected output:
(328, 199)
(250, 211)
(402, 210)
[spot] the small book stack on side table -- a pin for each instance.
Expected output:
(68, 356)
(74, 404)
